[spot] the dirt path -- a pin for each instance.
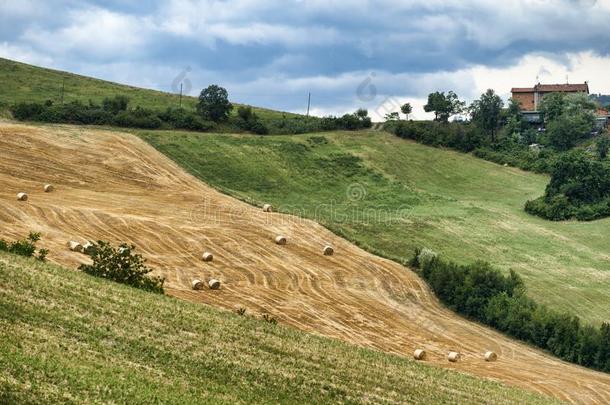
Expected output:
(116, 187)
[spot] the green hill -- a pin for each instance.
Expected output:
(391, 196)
(71, 338)
(26, 83)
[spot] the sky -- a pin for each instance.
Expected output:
(374, 54)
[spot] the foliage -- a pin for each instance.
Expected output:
(116, 104)
(579, 187)
(483, 293)
(393, 116)
(214, 104)
(123, 266)
(463, 137)
(248, 120)
(486, 112)
(566, 130)
(25, 247)
(444, 105)
(406, 109)
(602, 145)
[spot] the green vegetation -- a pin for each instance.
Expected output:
(25, 247)
(579, 187)
(391, 196)
(69, 337)
(36, 94)
(22, 83)
(482, 293)
(123, 266)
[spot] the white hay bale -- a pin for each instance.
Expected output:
(207, 257)
(75, 246)
(48, 188)
(328, 251)
(453, 357)
(197, 284)
(280, 240)
(214, 284)
(267, 208)
(491, 356)
(419, 354)
(22, 197)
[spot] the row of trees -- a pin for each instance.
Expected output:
(483, 293)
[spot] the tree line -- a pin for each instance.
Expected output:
(482, 293)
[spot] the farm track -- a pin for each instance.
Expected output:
(113, 186)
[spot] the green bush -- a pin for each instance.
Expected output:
(123, 266)
(484, 294)
(25, 247)
(459, 136)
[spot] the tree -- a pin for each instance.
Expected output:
(444, 105)
(393, 116)
(566, 130)
(406, 109)
(214, 104)
(551, 106)
(602, 147)
(362, 113)
(514, 108)
(486, 112)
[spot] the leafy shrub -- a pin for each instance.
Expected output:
(483, 293)
(123, 266)
(463, 137)
(25, 247)
(579, 188)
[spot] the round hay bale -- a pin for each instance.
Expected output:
(267, 208)
(207, 257)
(48, 188)
(197, 284)
(75, 246)
(491, 356)
(280, 240)
(328, 251)
(419, 354)
(214, 284)
(453, 357)
(22, 197)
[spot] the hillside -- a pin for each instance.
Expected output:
(113, 186)
(26, 83)
(392, 195)
(68, 337)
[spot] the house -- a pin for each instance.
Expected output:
(529, 97)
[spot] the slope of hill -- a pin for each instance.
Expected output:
(26, 83)
(392, 195)
(113, 186)
(68, 337)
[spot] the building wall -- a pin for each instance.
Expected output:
(526, 100)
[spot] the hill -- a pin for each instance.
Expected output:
(68, 337)
(26, 83)
(113, 186)
(391, 196)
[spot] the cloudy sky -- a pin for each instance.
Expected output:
(349, 54)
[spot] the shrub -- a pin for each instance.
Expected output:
(463, 137)
(24, 247)
(123, 266)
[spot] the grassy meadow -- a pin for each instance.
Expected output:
(66, 337)
(391, 195)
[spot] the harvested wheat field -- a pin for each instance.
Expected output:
(113, 186)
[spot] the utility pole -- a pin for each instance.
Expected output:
(180, 105)
(63, 87)
(308, 103)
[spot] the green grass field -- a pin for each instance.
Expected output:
(391, 196)
(66, 337)
(26, 83)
